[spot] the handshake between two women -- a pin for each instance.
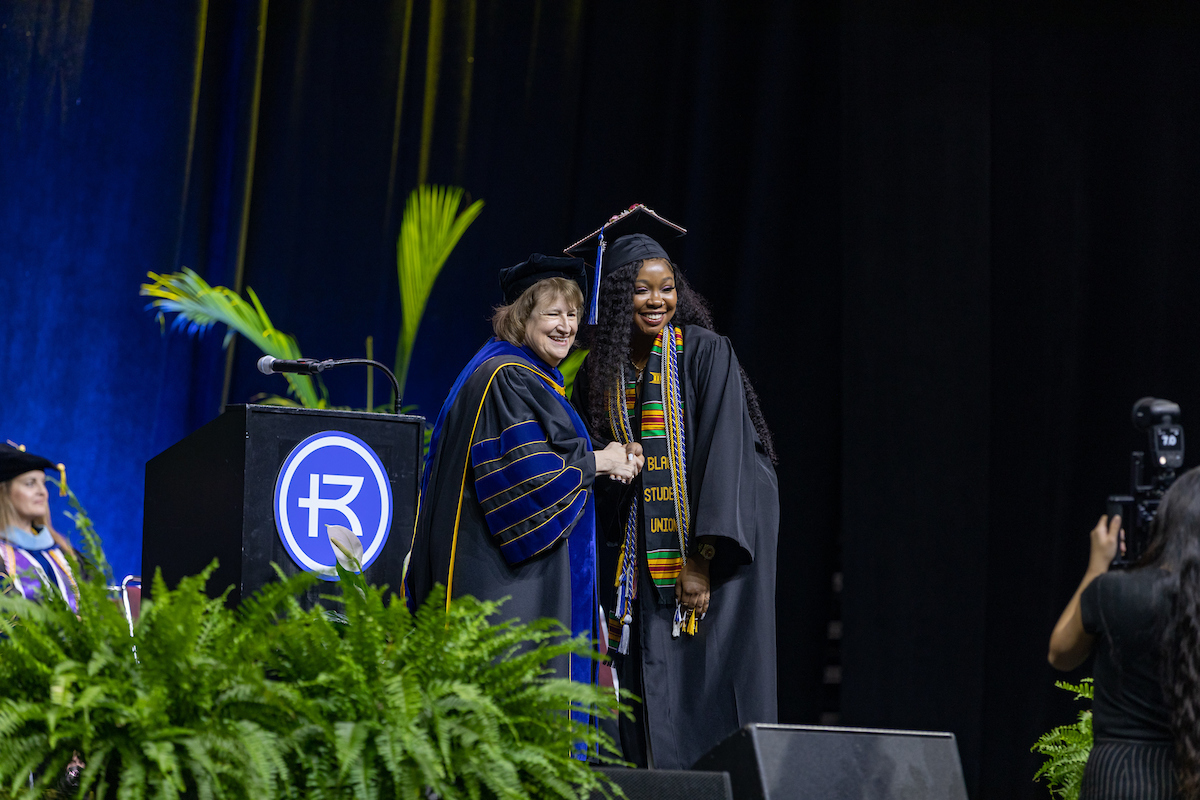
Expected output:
(620, 462)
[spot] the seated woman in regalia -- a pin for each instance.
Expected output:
(33, 555)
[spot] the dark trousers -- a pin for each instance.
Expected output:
(1123, 769)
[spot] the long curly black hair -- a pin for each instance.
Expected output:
(1175, 548)
(609, 340)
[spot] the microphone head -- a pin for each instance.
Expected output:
(264, 365)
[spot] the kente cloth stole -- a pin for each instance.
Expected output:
(664, 502)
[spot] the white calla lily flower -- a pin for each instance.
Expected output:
(346, 546)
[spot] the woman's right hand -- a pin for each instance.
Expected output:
(617, 463)
(1070, 644)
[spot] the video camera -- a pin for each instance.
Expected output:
(1160, 419)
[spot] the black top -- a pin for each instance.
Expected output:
(1125, 611)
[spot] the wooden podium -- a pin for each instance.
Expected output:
(241, 489)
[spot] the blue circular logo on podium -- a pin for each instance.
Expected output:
(332, 478)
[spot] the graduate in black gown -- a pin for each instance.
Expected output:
(687, 551)
(506, 507)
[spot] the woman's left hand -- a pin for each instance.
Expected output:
(691, 587)
(1106, 539)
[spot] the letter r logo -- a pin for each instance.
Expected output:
(314, 502)
(332, 478)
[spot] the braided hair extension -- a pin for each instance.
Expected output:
(1175, 547)
(609, 341)
(1183, 686)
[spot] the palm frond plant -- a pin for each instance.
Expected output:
(569, 368)
(198, 306)
(358, 699)
(429, 230)
(1067, 747)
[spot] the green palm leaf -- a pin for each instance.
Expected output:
(430, 229)
(198, 306)
(569, 368)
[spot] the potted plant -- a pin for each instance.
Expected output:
(354, 698)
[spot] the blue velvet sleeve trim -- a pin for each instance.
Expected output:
(533, 541)
(510, 439)
(504, 481)
(530, 497)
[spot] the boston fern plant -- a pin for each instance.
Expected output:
(1067, 747)
(445, 701)
(360, 699)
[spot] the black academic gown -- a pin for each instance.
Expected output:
(505, 508)
(698, 690)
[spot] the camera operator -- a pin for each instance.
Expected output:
(1145, 626)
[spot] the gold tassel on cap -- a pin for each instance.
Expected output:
(61, 467)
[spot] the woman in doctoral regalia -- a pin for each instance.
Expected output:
(506, 505)
(35, 558)
(688, 549)
(33, 555)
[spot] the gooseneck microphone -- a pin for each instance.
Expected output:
(270, 365)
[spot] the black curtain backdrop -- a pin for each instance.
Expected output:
(1094, 193)
(916, 377)
(951, 246)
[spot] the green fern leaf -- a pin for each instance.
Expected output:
(1067, 747)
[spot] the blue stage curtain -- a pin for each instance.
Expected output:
(96, 122)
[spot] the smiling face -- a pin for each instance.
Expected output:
(653, 297)
(29, 497)
(551, 328)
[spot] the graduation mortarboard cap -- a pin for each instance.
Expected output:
(15, 461)
(515, 280)
(637, 233)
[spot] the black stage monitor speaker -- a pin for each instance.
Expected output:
(261, 484)
(798, 762)
(668, 784)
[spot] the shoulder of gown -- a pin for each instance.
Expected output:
(532, 468)
(722, 445)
